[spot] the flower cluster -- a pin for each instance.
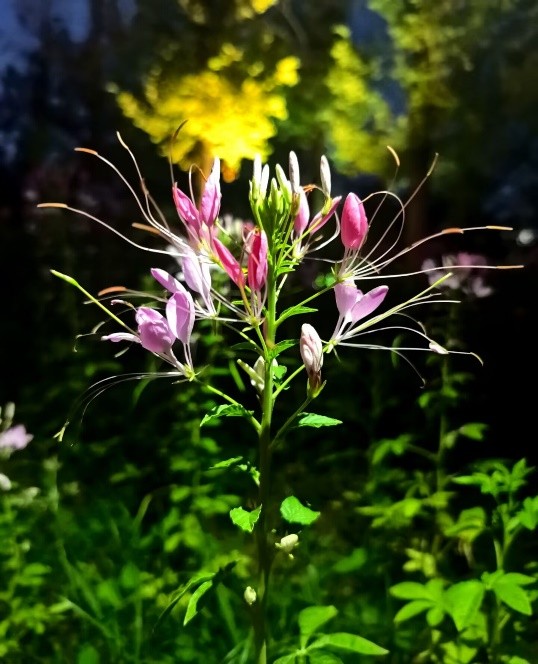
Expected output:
(258, 260)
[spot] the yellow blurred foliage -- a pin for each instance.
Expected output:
(232, 119)
(359, 120)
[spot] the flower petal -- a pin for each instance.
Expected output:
(368, 303)
(180, 315)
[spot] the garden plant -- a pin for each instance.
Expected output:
(263, 281)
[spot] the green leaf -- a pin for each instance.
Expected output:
(347, 641)
(463, 601)
(528, 516)
(244, 519)
(281, 346)
(513, 596)
(88, 655)
(412, 609)
(293, 511)
(192, 606)
(226, 410)
(473, 430)
(410, 590)
(323, 657)
(286, 659)
(312, 618)
(197, 580)
(294, 311)
(227, 463)
(316, 421)
(435, 616)
(518, 579)
(356, 559)
(518, 660)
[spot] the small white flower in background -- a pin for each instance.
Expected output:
(288, 543)
(250, 595)
(5, 482)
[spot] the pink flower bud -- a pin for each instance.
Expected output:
(257, 261)
(303, 215)
(311, 349)
(211, 196)
(186, 210)
(354, 223)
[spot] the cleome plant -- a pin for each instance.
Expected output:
(240, 278)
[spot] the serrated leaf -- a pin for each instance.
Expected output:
(293, 511)
(312, 618)
(281, 346)
(412, 609)
(192, 606)
(226, 410)
(294, 311)
(513, 596)
(244, 519)
(463, 601)
(410, 590)
(316, 421)
(346, 641)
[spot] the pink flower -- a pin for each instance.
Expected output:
(154, 331)
(354, 305)
(15, 438)
(354, 223)
(303, 215)
(199, 221)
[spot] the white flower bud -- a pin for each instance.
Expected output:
(294, 173)
(325, 176)
(250, 595)
(311, 349)
(288, 543)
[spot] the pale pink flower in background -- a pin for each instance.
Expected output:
(15, 438)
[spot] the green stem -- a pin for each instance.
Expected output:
(280, 433)
(264, 551)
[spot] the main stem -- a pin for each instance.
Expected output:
(264, 552)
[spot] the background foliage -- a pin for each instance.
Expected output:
(99, 531)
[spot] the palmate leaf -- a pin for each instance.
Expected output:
(513, 596)
(412, 609)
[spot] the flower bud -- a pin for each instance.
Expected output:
(257, 262)
(295, 178)
(311, 349)
(288, 543)
(325, 176)
(250, 595)
(354, 223)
